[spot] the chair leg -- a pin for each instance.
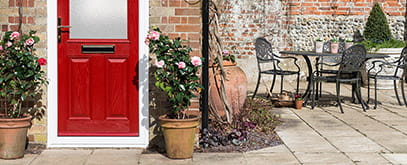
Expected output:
(395, 91)
(282, 83)
(368, 89)
(338, 90)
(257, 86)
(353, 93)
(402, 91)
(338, 93)
(359, 96)
(272, 84)
(375, 94)
(298, 83)
(313, 93)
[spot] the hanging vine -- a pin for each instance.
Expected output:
(216, 49)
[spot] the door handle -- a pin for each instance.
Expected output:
(60, 31)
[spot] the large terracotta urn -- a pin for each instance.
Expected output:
(236, 88)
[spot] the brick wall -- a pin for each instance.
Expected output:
(34, 18)
(178, 19)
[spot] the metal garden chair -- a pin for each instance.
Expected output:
(349, 72)
(269, 63)
(400, 65)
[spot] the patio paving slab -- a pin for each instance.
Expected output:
(159, 159)
(271, 158)
(219, 158)
(367, 158)
(62, 157)
(114, 156)
(400, 158)
(355, 144)
(279, 148)
(28, 158)
(323, 158)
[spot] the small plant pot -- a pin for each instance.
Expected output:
(348, 45)
(319, 46)
(298, 104)
(334, 47)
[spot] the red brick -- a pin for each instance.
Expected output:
(4, 28)
(11, 3)
(183, 11)
(184, 20)
(194, 20)
(174, 19)
(31, 3)
(25, 3)
(187, 28)
(11, 20)
(14, 27)
(174, 3)
(30, 20)
(164, 19)
(164, 3)
(194, 37)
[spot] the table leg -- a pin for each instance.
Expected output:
(306, 94)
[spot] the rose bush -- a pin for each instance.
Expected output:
(176, 72)
(21, 75)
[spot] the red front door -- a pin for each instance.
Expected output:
(97, 68)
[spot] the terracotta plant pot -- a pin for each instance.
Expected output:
(236, 88)
(334, 47)
(179, 135)
(298, 104)
(13, 136)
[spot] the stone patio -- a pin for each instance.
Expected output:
(319, 136)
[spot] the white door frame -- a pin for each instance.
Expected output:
(53, 140)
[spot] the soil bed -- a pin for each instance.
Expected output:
(256, 138)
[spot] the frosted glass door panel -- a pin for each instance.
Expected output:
(98, 19)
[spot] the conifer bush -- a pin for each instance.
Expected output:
(377, 28)
(377, 31)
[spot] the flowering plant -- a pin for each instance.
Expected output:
(226, 56)
(176, 72)
(297, 97)
(21, 75)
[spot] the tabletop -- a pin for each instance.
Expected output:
(309, 53)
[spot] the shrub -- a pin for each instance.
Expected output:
(377, 28)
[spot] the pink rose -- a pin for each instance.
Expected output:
(42, 61)
(154, 35)
(29, 41)
(9, 44)
(181, 65)
(14, 35)
(160, 64)
(196, 61)
(225, 53)
(1, 47)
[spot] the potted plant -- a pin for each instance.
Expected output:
(298, 101)
(319, 45)
(176, 75)
(20, 84)
(378, 39)
(334, 45)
